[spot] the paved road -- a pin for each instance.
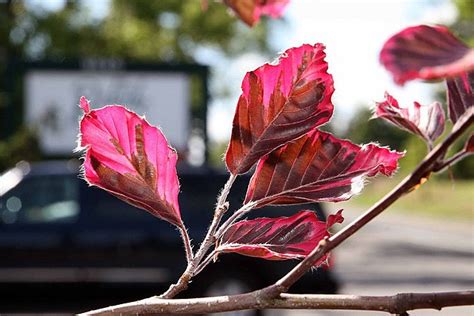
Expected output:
(405, 254)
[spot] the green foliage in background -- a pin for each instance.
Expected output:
(362, 130)
(464, 25)
(165, 30)
(452, 199)
(23, 145)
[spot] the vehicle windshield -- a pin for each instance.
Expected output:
(36, 200)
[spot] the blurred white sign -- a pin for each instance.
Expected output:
(52, 98)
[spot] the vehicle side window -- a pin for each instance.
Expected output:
(40, 200)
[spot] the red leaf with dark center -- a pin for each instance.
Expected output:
(426, 52)
(280, 103)
(250, 11)
(317, 167)
(460, 95)
(426, 121)
(279, 238)
(131, 159)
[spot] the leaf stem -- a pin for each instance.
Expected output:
(205, 262)
(452, 160)
(179, 286)
(219, 211)
(187, 243)
(193, 262)
(237, 214)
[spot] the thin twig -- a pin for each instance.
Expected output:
(179, 286)
(190, 271)
(394, 304)
(452, 160)
(221, 207)
(237, 214)
(205, 262)
(187, 243)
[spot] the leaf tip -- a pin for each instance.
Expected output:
(84, 104)
(336, 218)
(388, 158)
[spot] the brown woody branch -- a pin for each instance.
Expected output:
(394, 304)
(452, 160)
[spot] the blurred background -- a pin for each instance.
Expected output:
(111, 35)
(182, 66)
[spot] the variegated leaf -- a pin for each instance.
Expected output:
(280, 103)
(131, 159)
(315, 168)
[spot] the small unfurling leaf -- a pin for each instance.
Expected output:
(426, 121)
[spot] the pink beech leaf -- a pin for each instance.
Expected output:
(460, 95)
(131, 159)
(280, 103)
(279, 238)
(426, 121)
(250, 11)
(426, 52)
(315, 168)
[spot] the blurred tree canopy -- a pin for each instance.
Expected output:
(165, 30)
(464, 25)
(362, 130)
(12, 149)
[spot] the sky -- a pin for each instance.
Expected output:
(353, 33)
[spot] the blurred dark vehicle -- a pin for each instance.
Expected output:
(69, 247)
